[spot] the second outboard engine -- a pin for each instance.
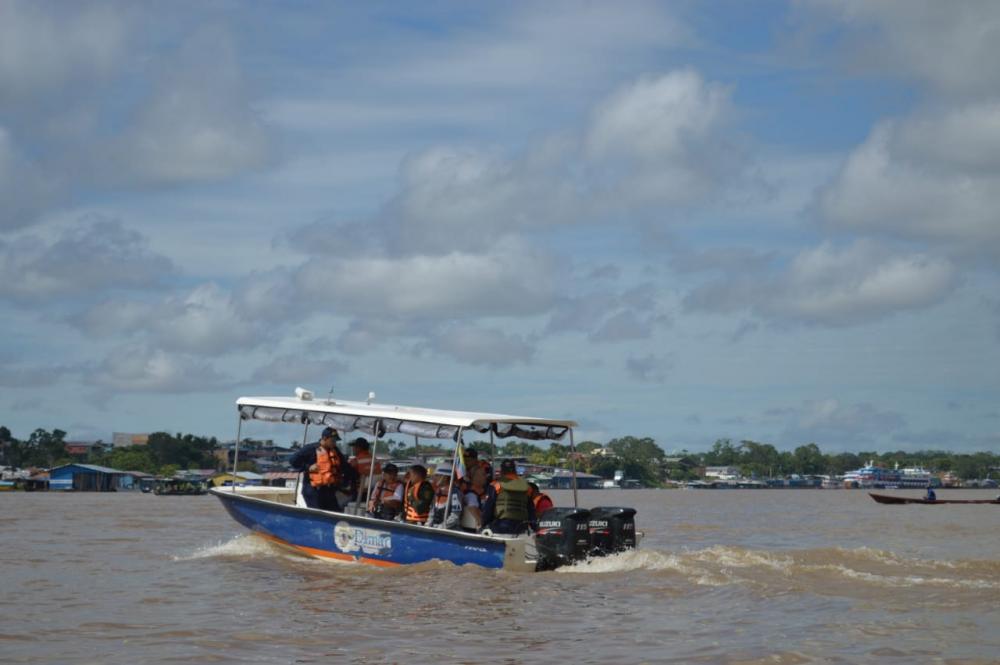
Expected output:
(611, 530)
(563, 537)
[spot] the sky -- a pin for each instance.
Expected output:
(776, 221)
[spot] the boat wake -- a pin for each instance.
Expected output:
(824, 570)
(244, 547)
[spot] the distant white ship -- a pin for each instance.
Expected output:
(871, 476)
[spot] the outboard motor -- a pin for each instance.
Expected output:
(611, 530)
(563, 537)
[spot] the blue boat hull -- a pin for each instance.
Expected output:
(363, 539)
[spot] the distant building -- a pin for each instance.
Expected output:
(84, 449)
(242, 478)
(722, 472)
(88, 478)
(126, 439)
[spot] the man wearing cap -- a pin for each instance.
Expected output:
(387, 496)
(507, 508)
(443, 486)
(324, 467)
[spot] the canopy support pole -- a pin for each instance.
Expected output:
(493, 446)
(572, 452)
(298, 476)
(236, 451)
(371, 473)
(451, 481)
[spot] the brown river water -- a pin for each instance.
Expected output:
(766, 576)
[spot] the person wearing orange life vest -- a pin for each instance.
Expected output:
(387, 495)
(472, 460)
(361, 461)
(418, 496)
(324, 467)
(508, 509)
(540, 499)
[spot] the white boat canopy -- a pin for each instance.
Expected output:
(381, 419)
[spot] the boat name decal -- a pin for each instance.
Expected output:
(350, 538)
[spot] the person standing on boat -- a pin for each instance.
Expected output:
(931, 496)
(387, 496)
(324, 466)
(361, 461)
(508, 509)
(443, 485)
(418, 497)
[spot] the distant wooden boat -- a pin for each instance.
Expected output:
(885, 498)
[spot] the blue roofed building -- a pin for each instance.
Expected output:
(87, 478)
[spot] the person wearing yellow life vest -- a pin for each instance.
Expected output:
(324, 467)
(418, 496)
(474, 489)
(387, 495)
(508, 509)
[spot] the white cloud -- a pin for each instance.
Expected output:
(142, 369)
(86, 257)
(205, 321)
(835, 425)
(24, 188)
(197, 125)
(831, 286)
(457, 285)
(950, 45)
(476, 345)
(932, 177)
(46, 46)
(650, 368)
(298, 368)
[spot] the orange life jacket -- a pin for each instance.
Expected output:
(382, 490)
(542, 502)
(327, 468)
(362, 463)
(410, 501)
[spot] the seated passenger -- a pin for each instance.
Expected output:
(443, 484)
(387, 495)
(508, 509)
(540, 499)
(472, 460)
(418, 496)
(931, 496)
(475, 497)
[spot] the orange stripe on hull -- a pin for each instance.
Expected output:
(324, 554)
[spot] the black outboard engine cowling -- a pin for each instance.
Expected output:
(563, 537)
(611, 530)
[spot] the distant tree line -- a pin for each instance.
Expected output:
(638, 458)
(164, 453)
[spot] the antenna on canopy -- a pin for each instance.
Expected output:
(329, 396)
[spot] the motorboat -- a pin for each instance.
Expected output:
(561, 536)
(888, 498)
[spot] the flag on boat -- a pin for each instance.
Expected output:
(460, 466)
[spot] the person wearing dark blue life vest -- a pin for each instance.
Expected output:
(931, 496)
(508, 509)
(324, 468)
